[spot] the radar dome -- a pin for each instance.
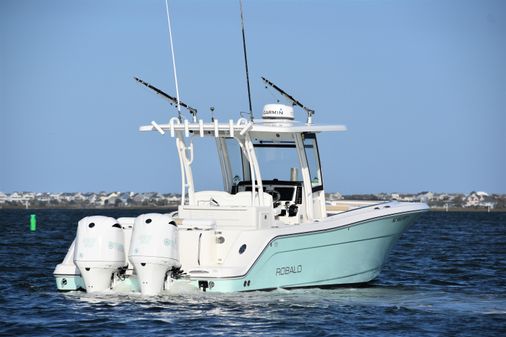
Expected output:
(278, 111)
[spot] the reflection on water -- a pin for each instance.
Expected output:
(374, 296)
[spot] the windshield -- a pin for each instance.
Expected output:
(313, 161)
(236, 161)
(278, 161)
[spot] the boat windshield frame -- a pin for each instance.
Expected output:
(247, 134)
(313, 157)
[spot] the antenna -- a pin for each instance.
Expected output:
(246, 63)
(310, 112)
(174, 64)
(172, 100)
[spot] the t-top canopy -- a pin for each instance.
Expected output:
(240, 126)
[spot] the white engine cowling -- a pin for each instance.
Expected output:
(154, 250)
(99, 251)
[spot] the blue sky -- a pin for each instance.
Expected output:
(421, 86)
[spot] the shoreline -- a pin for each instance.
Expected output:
(174, 207)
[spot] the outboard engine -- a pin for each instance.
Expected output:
(154, 250)
(99, 251)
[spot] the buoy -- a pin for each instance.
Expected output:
(33, 222)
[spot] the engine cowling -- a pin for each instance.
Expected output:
(154, 250)
(99, 251)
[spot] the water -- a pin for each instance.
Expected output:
(446, 276)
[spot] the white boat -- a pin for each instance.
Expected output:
(269, 227)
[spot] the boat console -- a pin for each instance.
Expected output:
(286, 195)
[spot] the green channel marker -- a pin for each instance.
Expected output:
(33, 222)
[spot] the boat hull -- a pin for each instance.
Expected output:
(344, 255)
(347, 248)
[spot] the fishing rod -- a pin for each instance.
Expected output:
(246, 63)
(310, 112)
(172, 100)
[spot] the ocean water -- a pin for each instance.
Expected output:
(445, 277)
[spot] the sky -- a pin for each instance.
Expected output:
(421, 86)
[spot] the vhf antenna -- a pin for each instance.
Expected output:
(172, 100)
(246, 63)
(174, 64)
(310, 112)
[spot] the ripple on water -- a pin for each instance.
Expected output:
(446, 276)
